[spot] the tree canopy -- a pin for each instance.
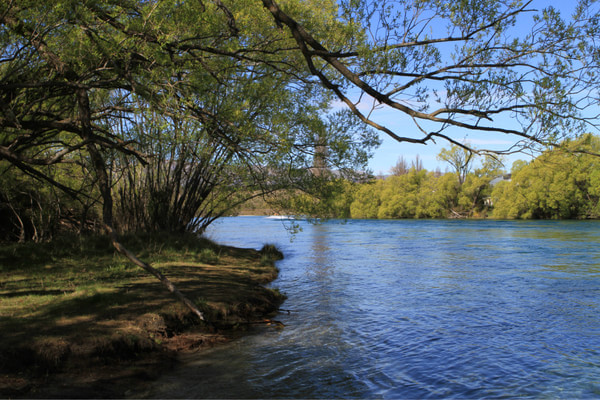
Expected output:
(558, 184)
(487, 67)
(244, 90)
(245, 71)
(110, 85)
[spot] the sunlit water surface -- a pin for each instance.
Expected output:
(415, 309)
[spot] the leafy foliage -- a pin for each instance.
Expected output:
(177, 110)
(561, 183)
(558, 184)
(482, 66)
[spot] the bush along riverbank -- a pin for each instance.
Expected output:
(79, 320)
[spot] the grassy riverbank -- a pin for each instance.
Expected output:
(78, 320)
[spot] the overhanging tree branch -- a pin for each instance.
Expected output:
(486, 61)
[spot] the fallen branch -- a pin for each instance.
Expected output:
(148, 268)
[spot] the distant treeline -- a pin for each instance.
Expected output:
(559, 184)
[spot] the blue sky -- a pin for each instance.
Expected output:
(390, 150)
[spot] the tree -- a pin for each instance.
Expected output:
(417, 165)
(400, 195)
(335, 201)
(482, 66)
(367, 200)
(472, 195)
(491, 166)
(557, 184)
(460, 159)
(33, 210)
(400, 168)
(445, 195)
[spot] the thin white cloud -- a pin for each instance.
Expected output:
(489, 142)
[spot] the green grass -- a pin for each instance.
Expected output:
(270, 253)
(76, 295)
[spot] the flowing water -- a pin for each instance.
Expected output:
(415, 309)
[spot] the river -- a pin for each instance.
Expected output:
(415, 309)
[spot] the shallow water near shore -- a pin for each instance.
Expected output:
(414, 309)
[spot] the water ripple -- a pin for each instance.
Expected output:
(418, 309)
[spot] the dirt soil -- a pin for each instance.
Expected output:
(107, 375)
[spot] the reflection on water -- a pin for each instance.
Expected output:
(416, 309)
(320, 265)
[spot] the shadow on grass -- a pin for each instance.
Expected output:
(76, 300)
(20, 293)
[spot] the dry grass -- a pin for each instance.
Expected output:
(76, 304)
